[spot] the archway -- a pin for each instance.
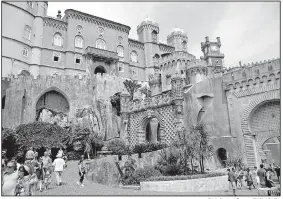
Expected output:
(152, 131)
(99, 69)
(271, 149)
(222, 156)
(265, 124)
(52, 107)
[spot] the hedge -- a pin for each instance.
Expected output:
(185, 177)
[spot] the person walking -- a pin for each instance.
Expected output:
(39, 172)
(58, 164)
(232, 179)
(46, 161)
(254, 177)
(10, 178)
(269, 182)
(30, 154)
(22, 187)
(249, 179)
(262, 177)
(277, 171)
(241, 178)
(82, 171)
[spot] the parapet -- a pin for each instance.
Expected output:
(251, 69)
(197, 63)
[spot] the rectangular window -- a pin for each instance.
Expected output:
(121, 67)
(78, 59)
(56, 57)
(134, 72)
(25, 52)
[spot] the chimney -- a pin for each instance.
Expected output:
(218, 39)
(59, 16)
(207, 39)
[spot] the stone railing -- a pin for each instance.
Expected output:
(101, 53)
(159, 100)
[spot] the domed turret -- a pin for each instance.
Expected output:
(178, 38)
(177, 31)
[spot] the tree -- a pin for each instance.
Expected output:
(132, 86)
(202, 130)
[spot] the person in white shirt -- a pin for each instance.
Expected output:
(10, 179)
(58, 164)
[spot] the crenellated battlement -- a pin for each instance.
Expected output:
(251, 70)
(177, 55)
(162, 99)
(197, 63)
(252, 75)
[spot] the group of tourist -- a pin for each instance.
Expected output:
(256, 178)
(34, 173)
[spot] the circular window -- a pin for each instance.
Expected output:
(100, 30)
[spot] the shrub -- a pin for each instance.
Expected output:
(118, 147)
(142, 174)
(185, 177)
(148, 147)
(74, 155)
(169, 162)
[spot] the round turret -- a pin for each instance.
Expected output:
(177, 31)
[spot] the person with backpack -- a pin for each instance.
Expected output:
(262, 176)
(59, 165)
(82, 171)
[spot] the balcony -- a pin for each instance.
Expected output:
(101, 55)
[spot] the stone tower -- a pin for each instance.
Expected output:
(148, 32)
(179, 39)
(38, 36)
(212, 55)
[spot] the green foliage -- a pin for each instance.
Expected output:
(169, 162)
(38, 134)
(74, 155)
(119, 147)
(186, 177)
(235, 158)
(132, 86)
(142, 174)
(127, 172)
(148, 147)
(9, 142)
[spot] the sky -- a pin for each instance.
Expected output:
(249, 31)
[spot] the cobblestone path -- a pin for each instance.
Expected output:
(71, 176)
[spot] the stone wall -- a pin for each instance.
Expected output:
(194, 185)
(79, 92)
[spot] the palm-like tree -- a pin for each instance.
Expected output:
(132, 86)
(202, 131)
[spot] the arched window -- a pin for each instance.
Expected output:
(120, 51)
(57, 39)
(154, 36)
(79, 41)
(99, 69)
(100, 44)
(134, 56)
(184, 43)
(24, 73)
(27, 32)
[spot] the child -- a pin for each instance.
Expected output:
(82, 171)
(47, 178)
(39, 173)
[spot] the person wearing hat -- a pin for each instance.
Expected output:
(58, 164)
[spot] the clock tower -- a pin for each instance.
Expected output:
(212, 55)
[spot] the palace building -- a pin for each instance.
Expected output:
(55, 68)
